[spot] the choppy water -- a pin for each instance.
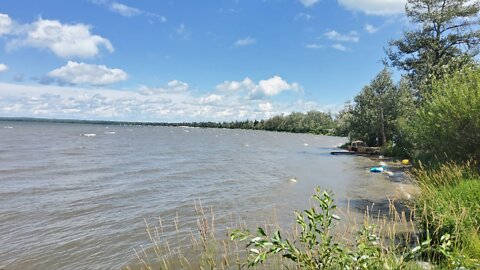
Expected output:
(74, 196)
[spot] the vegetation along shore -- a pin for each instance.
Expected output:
(431, 116)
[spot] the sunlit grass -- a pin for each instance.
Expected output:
(449, 204)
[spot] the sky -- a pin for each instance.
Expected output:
(178, 60)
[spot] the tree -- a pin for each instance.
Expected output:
(343, 120)
(445, 41)
(378, 109)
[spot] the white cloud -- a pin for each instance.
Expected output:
(314, 46)
(211, 99)
(309, 3)
(352, 36)
(246, 85)
(127, 11)
(124, 10)
(3, 67)
(245, 42)
(145, 104)
(375, 7)
(370, 28)
(274, 86)
(5, 24)
(64, 40)
(265, 88)
(173, 86)
(266, 107)
(340, 47)
(81, 73)
(177, 85)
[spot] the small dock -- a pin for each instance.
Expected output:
(342, 152)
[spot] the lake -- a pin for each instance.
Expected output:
(74, 196)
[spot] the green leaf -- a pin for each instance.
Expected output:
(261, 231)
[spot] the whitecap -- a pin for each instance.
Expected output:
(109, 132)
(88, 134)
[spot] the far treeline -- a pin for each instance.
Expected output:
(433, 113)
(315, 122)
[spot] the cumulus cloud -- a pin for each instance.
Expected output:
(211, 99)
(246, 85)
(264, 88)
(177, 85)
(3, 67)
(245, 42)
(352, 36)
(5, 24)
(375, 7)
(309, 3)
(166, 103)
(173, 86)
(64, 40)
(275, 85)
(81, 73)
(370, 28)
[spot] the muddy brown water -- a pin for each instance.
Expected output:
(74, 196)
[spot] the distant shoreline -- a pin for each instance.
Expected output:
(94, 122)
(273, 124)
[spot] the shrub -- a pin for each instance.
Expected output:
(447, 125)
(317, 247)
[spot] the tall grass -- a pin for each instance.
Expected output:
(449, 205)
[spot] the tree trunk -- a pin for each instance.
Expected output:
(383, 137)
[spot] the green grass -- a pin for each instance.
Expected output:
(449, 205)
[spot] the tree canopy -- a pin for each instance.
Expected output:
(446, 40)
(377, 109)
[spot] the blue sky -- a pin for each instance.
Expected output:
(189, 60)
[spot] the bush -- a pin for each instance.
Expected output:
(318, 247)
(447, 125)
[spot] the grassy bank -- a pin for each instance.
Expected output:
(448, 207)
